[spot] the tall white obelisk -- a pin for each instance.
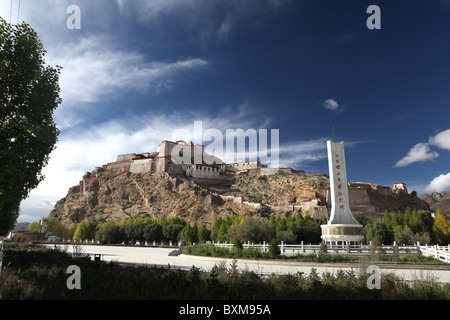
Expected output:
(342, 227)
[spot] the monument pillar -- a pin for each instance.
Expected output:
(342, 227)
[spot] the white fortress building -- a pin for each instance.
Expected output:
(180, 158)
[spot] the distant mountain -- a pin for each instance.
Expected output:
(21, 226)
(438, 200)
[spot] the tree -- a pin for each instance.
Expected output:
(29, 94)
(190, 234)
(35, 226)
(203, 234)
(252, 229)
(219, 229)
(85, 230)
(308, 230)
(377, 229)
(110, 234)
(153, 232)
(56, 228)
(403, 235)
(441, 228)
(171, 232)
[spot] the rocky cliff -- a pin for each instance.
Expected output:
(104, 195)
(438, 200)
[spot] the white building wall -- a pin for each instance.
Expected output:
(141, 165)
(203, 172)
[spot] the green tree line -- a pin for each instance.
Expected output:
(409, 227)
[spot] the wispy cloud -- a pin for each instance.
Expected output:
(94, 69)
(225, 28)
(297, 154)
(202, 20)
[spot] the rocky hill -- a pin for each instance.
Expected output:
(104, 195)
(438, 200)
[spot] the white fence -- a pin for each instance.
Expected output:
(439, 252)
(136, 243)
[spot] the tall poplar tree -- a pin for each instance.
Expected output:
(29, 94)
(441, 228)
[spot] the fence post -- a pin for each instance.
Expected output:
(302, 247)
(347, 247)
(395, 248)
(282, 249)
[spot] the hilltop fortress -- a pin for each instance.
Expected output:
(181, 158)
(180, 179)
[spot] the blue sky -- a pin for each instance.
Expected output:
(138, 72)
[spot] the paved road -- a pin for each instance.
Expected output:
(160, 257)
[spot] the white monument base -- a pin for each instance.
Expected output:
(342, 233)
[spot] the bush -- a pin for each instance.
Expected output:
(274, 250)
(237, 245)
(40, 273)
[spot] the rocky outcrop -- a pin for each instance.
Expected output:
(373, 200)
(438, 200)
(104, 195)
(116, 194)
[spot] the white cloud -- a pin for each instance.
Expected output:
(439, 184)
(441, 140)
(420, 152)
(333, 105)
